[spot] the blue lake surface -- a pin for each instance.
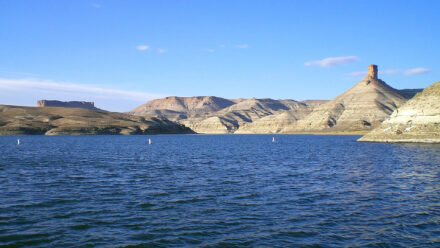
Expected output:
(217, 191)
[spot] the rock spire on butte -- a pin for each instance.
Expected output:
(372, 71)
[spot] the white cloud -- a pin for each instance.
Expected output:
(332, 61)
(142, 47)
(242, 46)
(160, 50)
(415, 71)
(406, 72)
(96, 5)
(28, 91)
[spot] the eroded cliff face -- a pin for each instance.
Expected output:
(273, 123)
(177, 108)
(416, 121)
(217, 115)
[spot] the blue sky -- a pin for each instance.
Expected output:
(122, 53)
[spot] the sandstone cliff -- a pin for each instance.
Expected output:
(17, 120)
(416, 121)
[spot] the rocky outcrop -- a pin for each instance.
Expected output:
(71, 104)
(416, 121)
(359, 109)
(17, 120)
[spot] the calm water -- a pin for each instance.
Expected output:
(217, 191)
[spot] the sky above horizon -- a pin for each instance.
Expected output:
(121, 54)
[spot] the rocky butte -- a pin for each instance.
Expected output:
(418, 120)
(359, 109)
(71, 104)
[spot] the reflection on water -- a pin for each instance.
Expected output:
(218, 190)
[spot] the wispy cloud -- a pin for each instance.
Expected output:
(160, 50)
(22, 74)
(96, 5)
(44, 89)
(142, 47)
(406, 72)
(332, 61)
(415, 71)
(242, 46)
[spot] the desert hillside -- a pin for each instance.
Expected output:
(17, 120)
(416, 121)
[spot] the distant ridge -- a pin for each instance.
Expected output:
(409, 93)
(174, 107)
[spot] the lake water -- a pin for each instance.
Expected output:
(217, 191)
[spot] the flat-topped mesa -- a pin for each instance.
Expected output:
(372, 71)
(72, 104)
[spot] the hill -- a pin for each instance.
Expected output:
(17, 120)
(416, 121)
(360, 108)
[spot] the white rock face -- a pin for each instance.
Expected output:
(416, 121)
(218, 115)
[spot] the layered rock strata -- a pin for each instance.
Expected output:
(207, 114)
(416, 121)
(359, 109)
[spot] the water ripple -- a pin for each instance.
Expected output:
(217, 191)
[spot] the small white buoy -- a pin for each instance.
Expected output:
(149, 141)
(18, 142)
(273, 139)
